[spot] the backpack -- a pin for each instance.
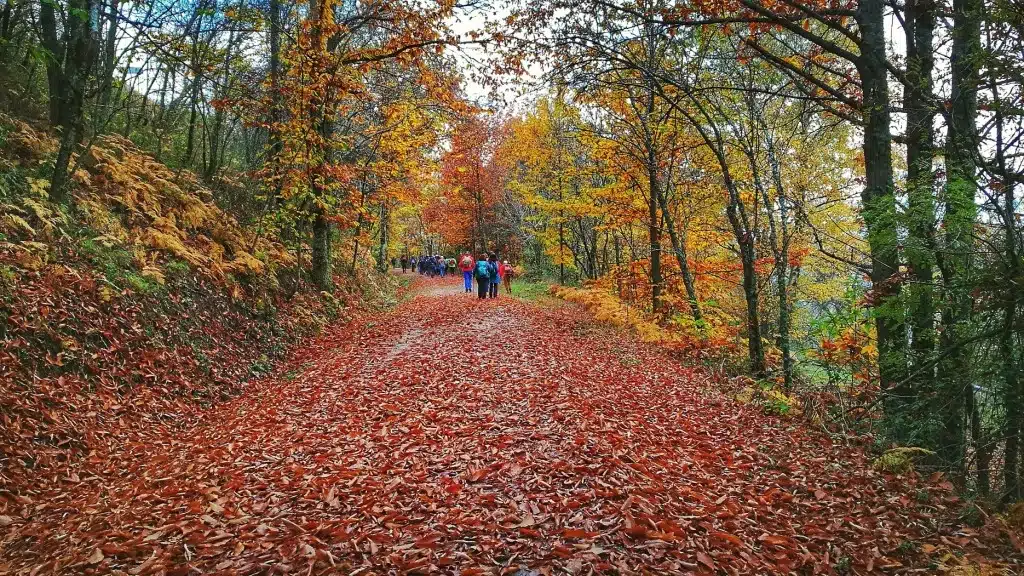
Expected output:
(467, 261)
(492, 271)
(482, 270)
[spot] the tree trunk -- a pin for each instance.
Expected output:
(654, 234)
(109, 61)
(747, 242)
(277, 111)
(190, 140)
(321, 248)
(980, 445)
(755, 347)
(1013, 393)
(194, 66)
(959, 217)
(322, 252)
(679, 248)
(561, 251)
(77, 65)
(920, 25)
(385, 230)
(1013, 401)
(6, 27)
(780, 246)
(158, 123)
(877, 201)
(54, 63)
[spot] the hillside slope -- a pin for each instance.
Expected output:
(141, 299)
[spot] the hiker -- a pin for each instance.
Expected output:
(412, 264)
(494, 277)
(482, 273)
(440, 265)
(405, 263)
(507, 272)
(450, 265)
(466, 265)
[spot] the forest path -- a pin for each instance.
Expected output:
(460, 436)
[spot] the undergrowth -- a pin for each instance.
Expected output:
(138, 300)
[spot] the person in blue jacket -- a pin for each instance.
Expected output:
(482, 273)
(493, 277)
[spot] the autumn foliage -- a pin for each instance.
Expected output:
(765, 316)
(159, 301)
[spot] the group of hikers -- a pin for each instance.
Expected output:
(435, 265)
(488, 271)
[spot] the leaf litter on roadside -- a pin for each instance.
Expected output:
(468, 437)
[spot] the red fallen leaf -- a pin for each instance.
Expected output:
(530, 532)
(636, 531)
(574, 533)
(473, 571)
(562, 551)
(476, 476)
(706, 560)
(656, 535)
(730, 538)
(429, 542)
(774, 540)
(820, 494)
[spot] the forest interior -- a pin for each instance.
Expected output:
(763, 309)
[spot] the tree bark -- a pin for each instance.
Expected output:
(1013, 402)
(109, 60)
(679, 248)
(214, 163)
(877, 202)
(54, 63)
(77, 66)
(277, 107)
(194, 65)
(920, 26)
(322, 252)
(780, 247)
(956, 392)
(653, 193)
(1013, 393)
(385, 231)
(321, 248)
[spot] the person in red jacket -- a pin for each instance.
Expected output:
(466, 264)
(507, 272)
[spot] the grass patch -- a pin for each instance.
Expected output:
(143, 285)
(532, 291)
(114, 262)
